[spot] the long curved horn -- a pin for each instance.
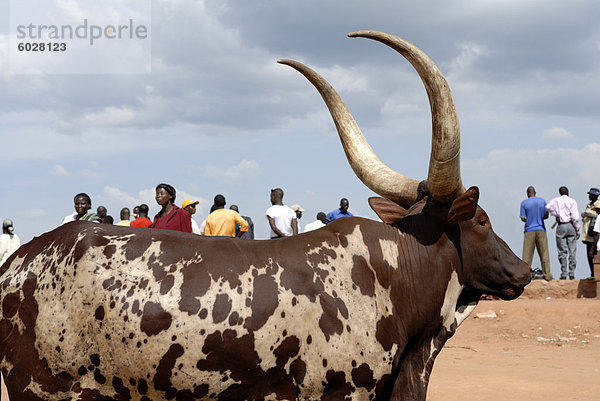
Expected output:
(443, 180)
(366, 165)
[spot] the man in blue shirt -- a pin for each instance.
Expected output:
(341, 212)
(533, 213)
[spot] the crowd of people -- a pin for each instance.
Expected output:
(221, 221)
(534, 210)
(283, 221)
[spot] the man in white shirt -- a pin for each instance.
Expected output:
(318, 223)
(9, 241)
(565, 210)
(282, 219)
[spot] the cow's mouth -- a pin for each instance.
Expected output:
(507, 292)
(510, 293)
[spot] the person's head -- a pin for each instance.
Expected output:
(125, 214)
(344, 205)
(563, 191)
(234, 207)
(7, 227)
(277, 196)
(108, 220)
(189, 205)
(136, 211)
(219, 201)
(100, 210)
(530, 192)
(322, 217)
(83, 203)
(165, 194)
(298, 209)
(593, 193)
(143, 211)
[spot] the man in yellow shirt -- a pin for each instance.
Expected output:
(125, 216)
(221, 222)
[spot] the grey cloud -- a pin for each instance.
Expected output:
(214, 65)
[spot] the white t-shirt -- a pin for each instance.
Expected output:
(282, 215)
(8, 244)
(69, 218)
(315, 225)
(196, 229)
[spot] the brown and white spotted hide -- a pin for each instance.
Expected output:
(357, 310)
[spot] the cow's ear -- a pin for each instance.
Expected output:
(464, 207)
(389, 212)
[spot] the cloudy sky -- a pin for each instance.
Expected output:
(217, 114)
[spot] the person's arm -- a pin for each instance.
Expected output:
(185, 220)
(274, 227)
(208, 229)
(294, 226)
(575, 217)
(550, 208)
(523, 213)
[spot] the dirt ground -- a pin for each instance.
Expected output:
(544, 346)
(536, 349)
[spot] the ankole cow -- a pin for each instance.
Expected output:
(357, 310)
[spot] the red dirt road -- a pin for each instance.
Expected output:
(535, 350)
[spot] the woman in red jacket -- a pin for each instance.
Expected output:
(171, 217)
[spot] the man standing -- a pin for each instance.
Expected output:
(222, 221)
(533, 213)
(318, 223)
(565, 210)
(282, 219)
(588, 236)
(341, 212)
(190, 206)
(125, 216)
(142, 221)
(246, 234)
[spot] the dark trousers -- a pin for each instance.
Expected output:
(590, 248)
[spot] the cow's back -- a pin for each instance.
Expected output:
(91, 310)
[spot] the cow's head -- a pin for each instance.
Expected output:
(487, 263)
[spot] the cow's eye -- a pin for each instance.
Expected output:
(483, 223)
